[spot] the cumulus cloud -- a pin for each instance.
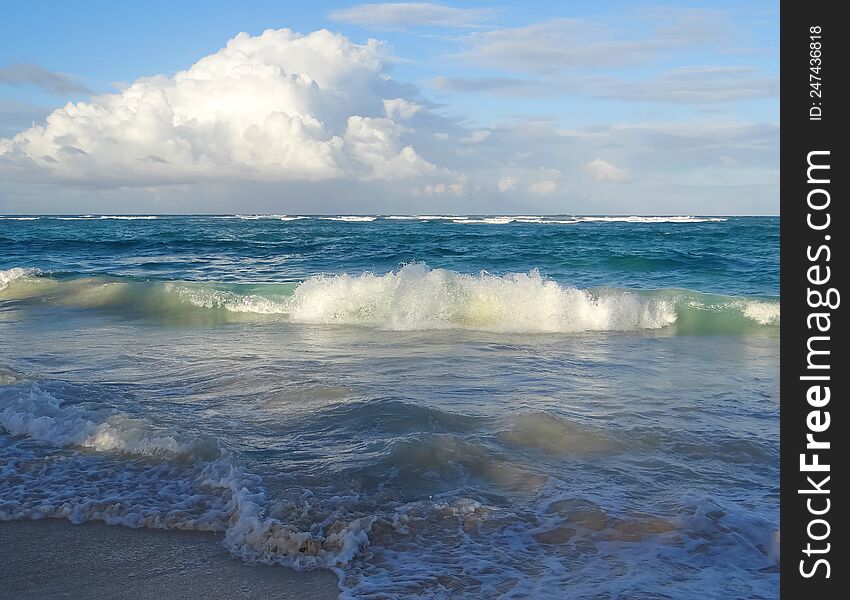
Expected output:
(29, 74)
(507, 183)
(399, 108)
(282, 122)
(457, 187)
(543, 187)
(15, 116)
(274, 107)
(375, 144)
(403, 15)
(602, 170)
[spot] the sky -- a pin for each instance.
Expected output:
(390, 108)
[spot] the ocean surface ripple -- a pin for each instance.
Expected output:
(431, 406)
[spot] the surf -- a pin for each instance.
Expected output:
(412, 298)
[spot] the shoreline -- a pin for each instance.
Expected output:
(54, 559)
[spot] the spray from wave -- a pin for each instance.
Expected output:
(412, 298)
(10, 275)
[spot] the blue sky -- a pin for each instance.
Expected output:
(600, 107)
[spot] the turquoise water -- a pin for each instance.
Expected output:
(476, 407)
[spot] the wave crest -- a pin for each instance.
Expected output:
(10, 275)
(412, 298)
(419, 298)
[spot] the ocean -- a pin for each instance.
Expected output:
(430, 406)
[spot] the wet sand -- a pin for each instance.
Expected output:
(54, 559)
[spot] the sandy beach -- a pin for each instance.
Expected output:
(54, 559)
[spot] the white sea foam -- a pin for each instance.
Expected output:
(129, 476)
(419, 298)
(259, 217)
(416, 297)
(13, 274)
(450, 542)
(548, 220)
(763, 313)
(486, 220)
(350, 219)
(8, 377)
(187, 486)
(504, 220)
(4, 218)
(640, 219)
(233, 302)
(39, 415)
(442, 217)
(104, 217)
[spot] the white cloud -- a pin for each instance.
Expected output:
(602, 170)
(402, 15)
(475, 137)
(274, 107)
(507, 183)
(543, 187)
(457, 188)
(375, 144)
(570, 43)
(283, 122)
(700, 85)
(399, 108)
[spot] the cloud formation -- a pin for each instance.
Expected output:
(543, 187)
(284, 122)
(695, 85)
(505, 86)
(602, 170)
(700, 85)
(565, 43)
(404, 15)
(50, 82)
(586, 57)
(507, 183)
(279, 106)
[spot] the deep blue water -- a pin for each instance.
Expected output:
(739, 255)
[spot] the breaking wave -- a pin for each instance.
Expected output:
(157, 482)
(350, 219)
(414, 297)
(75, 460)
(10, 275)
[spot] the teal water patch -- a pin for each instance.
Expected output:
(725, 255)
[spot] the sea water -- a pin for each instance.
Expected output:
(431, 406)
